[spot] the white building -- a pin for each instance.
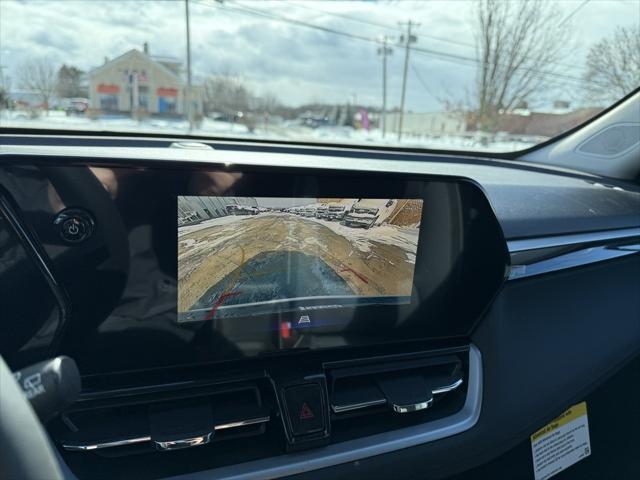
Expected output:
(137, 82)
(194, 209)
(432, 123)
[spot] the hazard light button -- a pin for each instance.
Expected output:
(305, 408)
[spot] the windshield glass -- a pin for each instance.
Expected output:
(484, 75)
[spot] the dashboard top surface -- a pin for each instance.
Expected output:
(573, 202)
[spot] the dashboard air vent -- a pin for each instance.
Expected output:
(168, 420)
(374, 396)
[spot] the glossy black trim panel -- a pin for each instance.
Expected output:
(573, 239)
(537, 256)
(40, 258)
(461, 254)
(354, 450)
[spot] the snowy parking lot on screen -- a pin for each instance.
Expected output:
(235, 251)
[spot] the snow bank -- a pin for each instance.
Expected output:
(404, 237)
(58, 119)
(284, 131)
(214, 222)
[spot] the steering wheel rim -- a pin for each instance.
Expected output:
(26, 452)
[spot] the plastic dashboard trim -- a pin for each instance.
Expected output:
(585, 249)
(353, 450)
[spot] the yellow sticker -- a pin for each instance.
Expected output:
(561, 443)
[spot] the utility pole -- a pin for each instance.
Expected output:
(384, 50)
(188, 92)
(407, 40)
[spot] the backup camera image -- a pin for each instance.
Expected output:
(240, 256)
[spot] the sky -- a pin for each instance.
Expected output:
(273, 53)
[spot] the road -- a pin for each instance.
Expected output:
(218, 256)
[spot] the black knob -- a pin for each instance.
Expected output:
(74, 225)
(51, 386)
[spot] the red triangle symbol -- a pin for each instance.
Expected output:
(305, 412)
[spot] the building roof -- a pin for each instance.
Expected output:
(136, 52)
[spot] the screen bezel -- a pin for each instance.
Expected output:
(448, 314)
(147, 194)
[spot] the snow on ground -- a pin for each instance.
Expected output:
(59, 119)
(403, 237)
(283, 131)
(500, 142)
(214, 222)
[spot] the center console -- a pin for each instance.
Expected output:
(255, 314)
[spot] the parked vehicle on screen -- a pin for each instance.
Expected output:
(337, 211)
(242, 210)
(322, 211)
(369, 212)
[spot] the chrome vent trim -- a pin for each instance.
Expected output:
(127, 442)
(353, 450)
(242, 423)
(447, 388)
(86, 447)
(373, 403)
(415, 407)
(357, 406)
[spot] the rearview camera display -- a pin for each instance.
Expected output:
(243, 256)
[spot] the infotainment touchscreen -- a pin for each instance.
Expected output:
(209, 263)
(247, 256)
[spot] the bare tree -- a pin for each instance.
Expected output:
(40, 77)
(613, 65)
(268, 102)
(518, 45)
(69, 82)
(226, 94)
(5, 88)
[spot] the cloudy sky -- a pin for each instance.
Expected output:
(277, 52)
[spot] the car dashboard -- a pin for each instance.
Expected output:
(226, 323)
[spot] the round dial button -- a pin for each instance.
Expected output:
(74, 225)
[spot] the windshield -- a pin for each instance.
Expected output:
(483, 75)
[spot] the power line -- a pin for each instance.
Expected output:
(381, 25)
(576, 10)
(419, 35)
(552, 77)
(455, 58)
(272, 16)
(423, 83)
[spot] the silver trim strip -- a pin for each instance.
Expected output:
(242, 423)
(578, 258)
(183, 442)
(357, 406)
(80, 447)
(447, 388)
(573, 239)
(416, 407)
(592, 247)
(97, 446)
(352, 450)
(382, 401)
